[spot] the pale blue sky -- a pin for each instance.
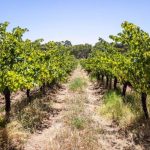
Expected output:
(80, 21)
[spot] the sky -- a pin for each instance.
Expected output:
(80, 21)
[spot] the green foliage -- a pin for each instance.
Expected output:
(136, 66)
(25, 64)
(126, 59)
(11, 47)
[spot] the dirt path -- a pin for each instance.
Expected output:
(110, 136)
(41, 140)
(97, 133)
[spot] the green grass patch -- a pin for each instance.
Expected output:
(114, 108)
(77, 84)
(78, 122)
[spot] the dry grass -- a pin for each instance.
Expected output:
(69, 139)
(24, 121)
(79, 132)
(15, 135)
(31, 117)
(122, 113)
(75, 117)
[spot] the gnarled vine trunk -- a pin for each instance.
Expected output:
(102, 78)
(115, 83)
(98, 77)
(7, 93)
(124, 89)
(107, 81)
(110, 83)
(43, 89)
(144, 106)
(28, 94)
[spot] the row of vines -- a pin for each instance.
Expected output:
(26, 64)
(125, 60)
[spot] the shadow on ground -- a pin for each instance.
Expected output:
(39, 106)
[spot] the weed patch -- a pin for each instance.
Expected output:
(78, 122)
(114, 108)
(77, 84)
(32, 116)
